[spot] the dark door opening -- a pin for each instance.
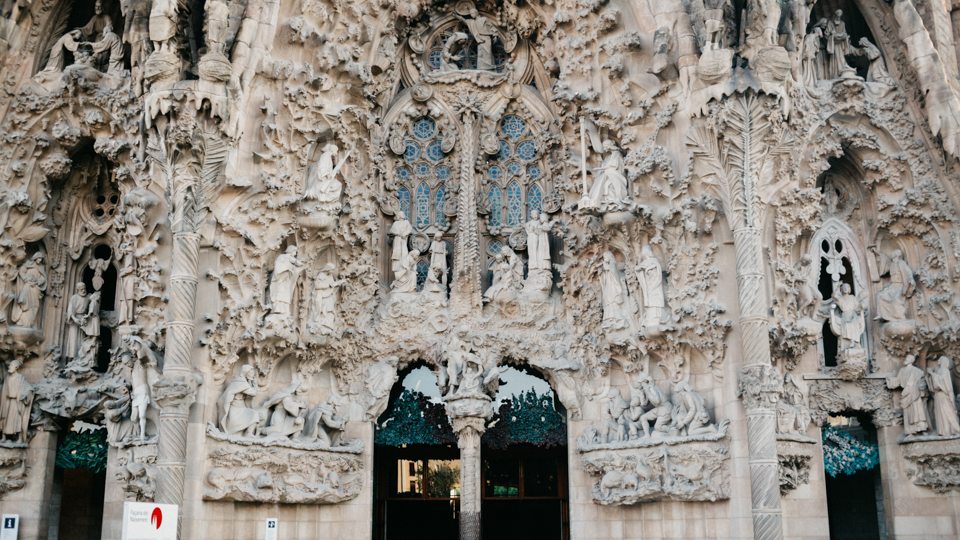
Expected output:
(524, 493)
(418, 492)
(79, 481)
(854, 495)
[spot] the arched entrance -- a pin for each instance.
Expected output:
(523, 453)
(854, 493)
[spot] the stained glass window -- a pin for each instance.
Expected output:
(412, 152)
(441, 194)
(514, 168)
(424, 128)
(404, 196)
(495, 247)
(534, 172)
(504, 151)
(443, 173)
(534, 200)
(434, 153)
(403, 174)
(513, 127)
(495, 202)
(423, 206)
(422, 170)
(527, 151)
(422, 269)
(514, 204)
(494, 172)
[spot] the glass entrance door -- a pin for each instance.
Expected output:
(524, 493)
(418, 492)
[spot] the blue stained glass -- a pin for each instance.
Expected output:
(441, 195)
(403, 174)
(422, 269)
(434, 152)
(412, 152)
(443, 173)
(494, 172)
(434, 58)
(422, 169)
(404, 197)
(495, 247)
(514, 168)
(495, 202)
(514, 204)
(527, 151)
(534, 172)
(513, 127)
(534, 200)
(423, 206)
(424, 128)
(504, 151)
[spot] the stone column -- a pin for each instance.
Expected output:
(468, 440)
(177, 390)
(759, 386)
(465, 289)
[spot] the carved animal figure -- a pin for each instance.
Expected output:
(616, 480)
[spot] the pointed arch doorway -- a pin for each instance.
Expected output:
(524, 463)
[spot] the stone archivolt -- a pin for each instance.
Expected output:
(321, 194)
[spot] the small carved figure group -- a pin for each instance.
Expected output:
(464, 375)
(915, 387)
(685, 416)
(284, 416)
(825, 51)
(620, 307)
(86, 43)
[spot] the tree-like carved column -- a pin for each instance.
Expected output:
(731, 164)
(468, 432)
(465, 290)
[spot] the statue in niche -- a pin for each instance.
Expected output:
(813, 55)
(119, 427)
(233, 414)
(838, 47)
(111, 43)
(448, 58)
(15, 404)
(808, 297)
(76, 311)
(400, 231)
(55, 64)
(538, 242)
(321, 315)
(286, 412)
(323, 424)
(433, 289)
(128, 286)
(483, 31)
(98, 266)
(438, 257)
(507, 279)
(617, 305)
(650, 276)
(31, 284)
(609, 190)
(893, 299)
(717, 17)
(793, 417)
(137, 34)
(913, 385)
(846, 319)
(163, 25)
(406, 274)
(661, 411)
(944, 406)
(452, 379)
(94, 29)
(286, 271)
(323, 186)
(690, 416)
(86, 358)
(877, 71)
(471, 378)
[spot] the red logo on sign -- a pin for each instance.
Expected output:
(156, 517)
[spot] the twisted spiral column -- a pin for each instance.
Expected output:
(761, 412)
(172, 444)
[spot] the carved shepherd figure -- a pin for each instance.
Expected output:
(233, 414)
(912, 396)
(944, 406)
(16, 401)
(31, 283)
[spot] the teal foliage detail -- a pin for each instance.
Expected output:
(87, 449)
(843, 454)
(415, 420)
(528, 418)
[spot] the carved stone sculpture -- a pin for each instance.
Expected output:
(76, 311)
(31, 285)
(618, 305)
(323, 424)
(400, 231)
(940, 383)
(877, 71)
(438, 258)
(838, 47)
(813, 56)
(507, 281)
(406, 274)
(609, 189)
(15, 404)
(650, 276)
(793, 417)
(233, 414)
(893, 300)
(538, 242)
(913, 395)
(286, 271)
(690, 416)
(846, 319)
(322, 315)
(482, 31)
(286, 412)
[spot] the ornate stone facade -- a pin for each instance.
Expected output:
(229, 227)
